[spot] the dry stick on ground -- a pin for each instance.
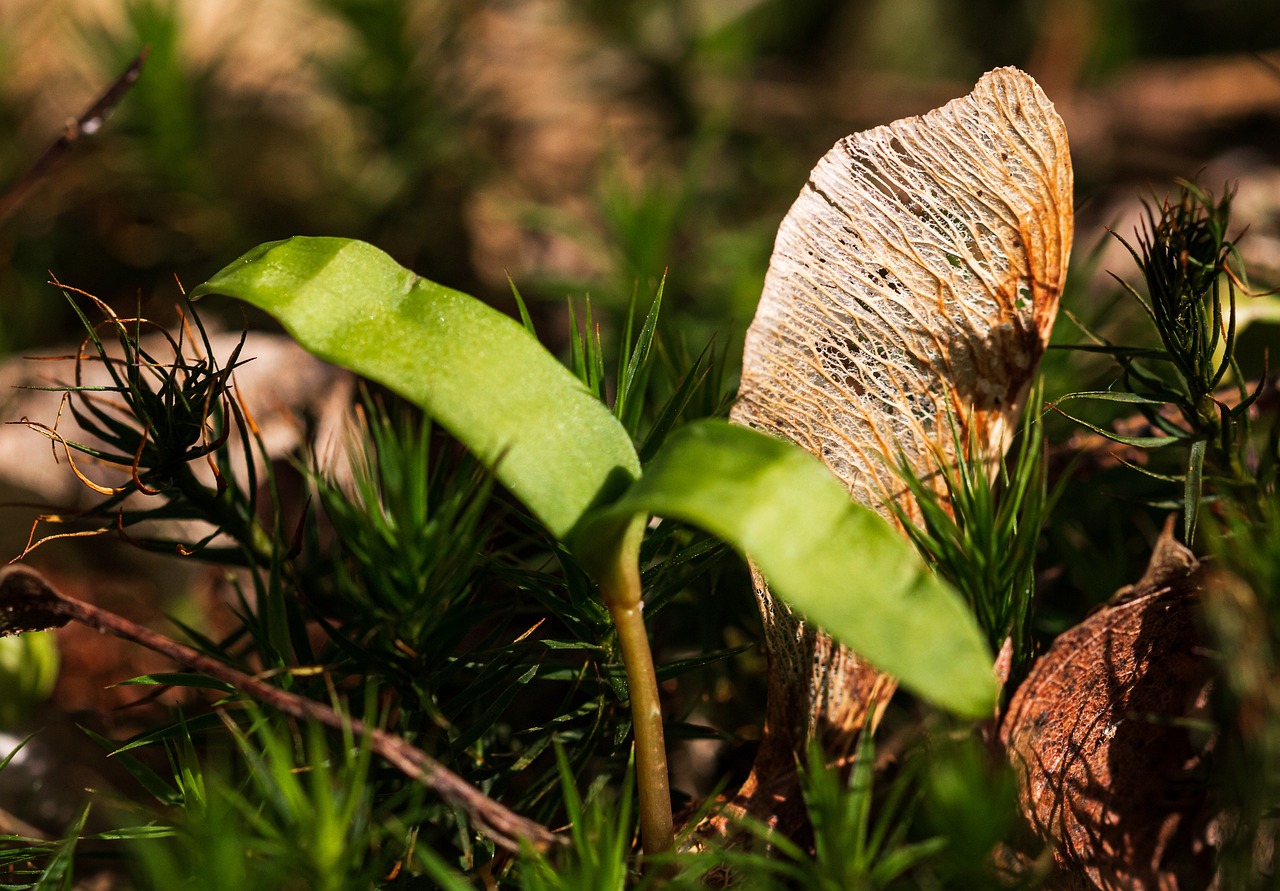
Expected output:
(29, 603)
(87, 124)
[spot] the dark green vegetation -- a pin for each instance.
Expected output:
(413, 591)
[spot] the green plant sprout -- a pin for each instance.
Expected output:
(559, 449)
(157, 419)
(303, 811)
(1192, 272)
(982, 533)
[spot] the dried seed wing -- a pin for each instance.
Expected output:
(913, 285)
(914, 280)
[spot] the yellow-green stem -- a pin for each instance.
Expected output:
(622, 595)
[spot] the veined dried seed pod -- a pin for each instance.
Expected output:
(912, 286)
(917, 275)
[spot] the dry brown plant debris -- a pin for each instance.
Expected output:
(912, 287)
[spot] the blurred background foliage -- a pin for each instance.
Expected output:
(581, 147)
(585, 147)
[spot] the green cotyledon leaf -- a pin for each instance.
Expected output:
(838, 563)
(474, 370)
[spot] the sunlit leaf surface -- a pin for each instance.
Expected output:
(476, 371)
(838, 562)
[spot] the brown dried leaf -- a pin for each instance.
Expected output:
(1104, 732)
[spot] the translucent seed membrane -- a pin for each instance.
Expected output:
(915, 281)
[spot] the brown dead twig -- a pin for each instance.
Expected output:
(86, 125)
(29, 603)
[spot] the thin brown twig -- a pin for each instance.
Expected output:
(29, 603)
(87, 124)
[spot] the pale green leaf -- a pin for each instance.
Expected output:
(474, 370)
(837, 562)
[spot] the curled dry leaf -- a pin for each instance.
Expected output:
(912, 286)
(1107, 733)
